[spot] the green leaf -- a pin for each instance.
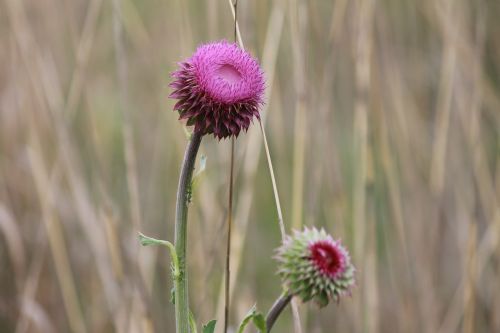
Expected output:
(322, 299)
(145, 241)
(247, 319)
(256, 317)
(209, 327)
(260, 322)
(192, 323)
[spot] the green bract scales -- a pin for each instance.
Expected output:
(314, 266)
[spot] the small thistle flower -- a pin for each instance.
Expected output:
(312, 265)
(219, 89)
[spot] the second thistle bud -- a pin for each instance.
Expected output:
(314, 266)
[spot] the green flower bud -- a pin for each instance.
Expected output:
(314, 266)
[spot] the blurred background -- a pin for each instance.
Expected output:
(383, 122)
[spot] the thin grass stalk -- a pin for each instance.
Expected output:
(12, 234)
(122, 72)
(83, 49)
(30, 286)
(48, 94)
(496, 306)
(361, 132)
(273, 181)
(230, 205)
(271, 171)
(471, 278)
(297, 29)
(444, 103)
(57, 241)
(370, 275)
(253, 150)
(489, 243)
(130, 157)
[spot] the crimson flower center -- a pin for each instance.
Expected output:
(229, 73)
(327, 258)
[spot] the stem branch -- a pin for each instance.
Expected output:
(276, 310)
(183, 197)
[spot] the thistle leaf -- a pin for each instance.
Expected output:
(145, 241)
(210, 326)
(192, 323)
(260, 322)
(256, 317)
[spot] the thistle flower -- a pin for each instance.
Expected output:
(313, 265)
(219, 89)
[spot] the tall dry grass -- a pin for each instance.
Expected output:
(383, 119)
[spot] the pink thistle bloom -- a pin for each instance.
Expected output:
(329, 257)
(314, 266)
(219, 89)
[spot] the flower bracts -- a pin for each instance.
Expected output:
(219, 89)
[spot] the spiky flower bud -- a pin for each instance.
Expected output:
(313, 265)
(220, 89)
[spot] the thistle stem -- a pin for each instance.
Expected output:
(276, 310)
(183, 197)
(228, 249)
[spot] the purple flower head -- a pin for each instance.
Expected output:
(219, 89)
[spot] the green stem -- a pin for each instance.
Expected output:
(276, 310)
(183, 197)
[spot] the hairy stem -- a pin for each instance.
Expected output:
(183, 197)
(276, 310)
(228, 249)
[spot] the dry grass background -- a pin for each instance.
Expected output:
(383, 119)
